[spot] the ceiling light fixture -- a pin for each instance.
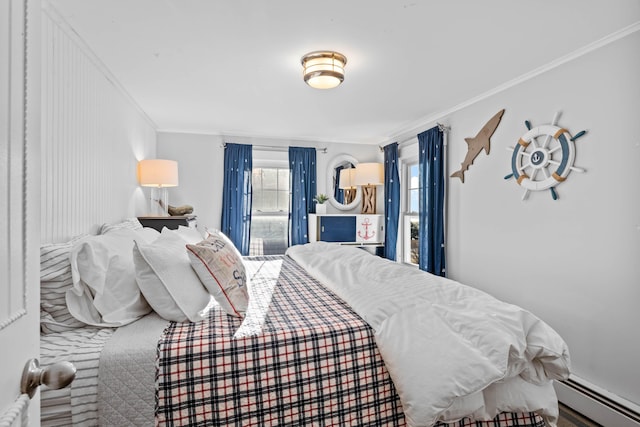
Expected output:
(323, 69)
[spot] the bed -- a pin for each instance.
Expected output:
(316, 345)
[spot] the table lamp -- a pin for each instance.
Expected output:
(158, 174)
(369, 175)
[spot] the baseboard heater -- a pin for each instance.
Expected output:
(600, 406)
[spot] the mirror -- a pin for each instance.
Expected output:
(342, 195)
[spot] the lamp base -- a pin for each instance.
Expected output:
(369, 199)
(159, 201)
(349, 195)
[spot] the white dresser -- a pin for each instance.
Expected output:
(347, 229)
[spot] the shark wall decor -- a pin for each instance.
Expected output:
(478, 143)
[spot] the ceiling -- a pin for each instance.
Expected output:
(233, 67)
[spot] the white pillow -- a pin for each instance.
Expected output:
(189, 234)
(105, 292)
(147, 234)
(220, 268)
(167, 281)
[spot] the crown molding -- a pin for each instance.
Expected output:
(410, 131)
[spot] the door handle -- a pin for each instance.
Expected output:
(58, 375)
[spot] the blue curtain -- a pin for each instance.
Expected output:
(431, 201)
(302, 168)
(391, 200)
(236, 195)
(338, 193)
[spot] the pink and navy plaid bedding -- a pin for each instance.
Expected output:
(301, 357)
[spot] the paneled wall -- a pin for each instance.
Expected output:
(93, 134)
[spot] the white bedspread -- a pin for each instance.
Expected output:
(451, 350)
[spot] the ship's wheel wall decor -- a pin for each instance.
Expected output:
(554, 157)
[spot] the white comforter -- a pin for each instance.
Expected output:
(451, 350)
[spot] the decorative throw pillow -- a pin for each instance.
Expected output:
(219, 266)
(105, 292)
(55, 281)
(167, 281)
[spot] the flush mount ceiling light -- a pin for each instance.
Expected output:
(323, 69)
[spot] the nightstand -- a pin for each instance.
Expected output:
(171, 222)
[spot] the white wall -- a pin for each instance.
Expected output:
(200, 163)
(201, 160)
(574, 262)
(92, 137)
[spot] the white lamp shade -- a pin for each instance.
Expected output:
(158, 173)
(347, 179)
(369, 174)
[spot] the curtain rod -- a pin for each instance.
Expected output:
(278, 147)
(441, 128)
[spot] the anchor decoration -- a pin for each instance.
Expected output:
(366, 224)
(531, 156)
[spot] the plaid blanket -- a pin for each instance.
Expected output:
(301, 357)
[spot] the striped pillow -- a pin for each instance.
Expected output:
(55, 280)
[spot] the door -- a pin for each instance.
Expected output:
(338, 228)
(19, 197)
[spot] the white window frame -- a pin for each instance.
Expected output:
(273, 164)
(407, 214)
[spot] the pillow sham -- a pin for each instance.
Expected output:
(219, 266)
(128, 224)
(55, 281)
(104, 291)
(147, 234)
(167, 281)
(189, 234)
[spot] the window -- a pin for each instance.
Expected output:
(411, 221)
(270, 211)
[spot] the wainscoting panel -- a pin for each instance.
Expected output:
(93, 134)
